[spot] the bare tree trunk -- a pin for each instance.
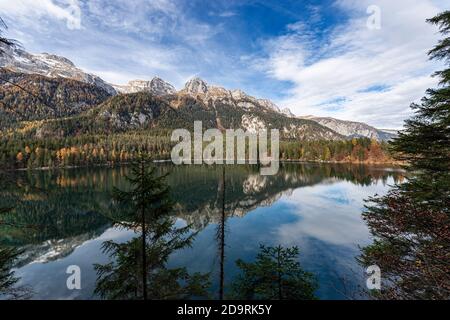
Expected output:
(144, 255)
(280, 296)
(222, 240)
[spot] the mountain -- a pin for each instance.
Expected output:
(36, 97)
(67, 107)
(157, 86)
(198, 88)
(49, 65)
(50, 86)
(146, 112)
(217, 107)
(389, 132)
(353, 129)
(287, 112)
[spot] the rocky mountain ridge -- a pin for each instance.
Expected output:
(157, 86)
(353, 129)
(29, 97)
(49, 65)
(215, 98)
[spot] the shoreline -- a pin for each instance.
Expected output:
(395, 164)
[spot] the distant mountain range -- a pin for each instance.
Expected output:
(353, 129)
(47, 87)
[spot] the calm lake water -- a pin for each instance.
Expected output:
(316, 207)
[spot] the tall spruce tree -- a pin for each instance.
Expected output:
(6, 277)
(8, 280)
(139, 267)
(411, 223)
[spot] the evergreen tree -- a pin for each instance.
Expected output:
(276, 275)
(7, 278)
(138, 269)
(411, 223)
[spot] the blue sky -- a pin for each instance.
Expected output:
(315, 57)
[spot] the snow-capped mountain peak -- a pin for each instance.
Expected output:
(48, 65)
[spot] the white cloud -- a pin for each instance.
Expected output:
(154, 20)
(119, 40)
(68, 11)
(332, 77)
(227, 14)
(342, 225)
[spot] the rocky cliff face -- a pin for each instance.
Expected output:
(49, 65)
(196, 86)
(36, 97)
(215, 95)
(200, 89)
(157, 86)
(221, 107)
(352, 129)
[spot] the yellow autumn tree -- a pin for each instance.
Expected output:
(19, 157)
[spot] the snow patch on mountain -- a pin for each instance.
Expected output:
(49, 65)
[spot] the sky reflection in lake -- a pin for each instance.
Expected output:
(315, 207)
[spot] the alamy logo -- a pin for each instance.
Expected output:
(374, 20)
(373, 282)
(236, 144)
(74, 280)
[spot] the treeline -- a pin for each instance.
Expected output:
(122, 148)
(354, 150)
(81, 151)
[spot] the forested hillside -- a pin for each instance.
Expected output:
(57, 122)
(25, 97)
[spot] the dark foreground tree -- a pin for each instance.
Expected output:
(8, 281)
(276, 275)
(7, 278)
(411, 223)
(139, 267)
(7, 256)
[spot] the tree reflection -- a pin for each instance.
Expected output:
(68, 207)
(276, 274)
(139, 267)
(221, 238)
(8, 280)
(7, 256)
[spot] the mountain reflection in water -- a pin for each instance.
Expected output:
(316, 207)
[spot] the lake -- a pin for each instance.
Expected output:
(316, 207)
